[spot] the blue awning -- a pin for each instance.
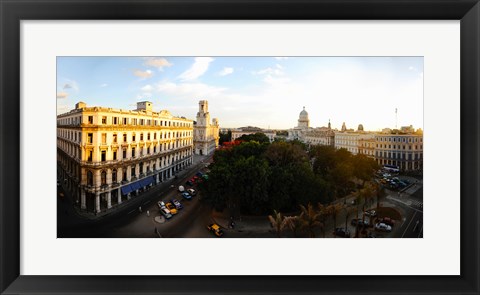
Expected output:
(147, 181)
(126, 189)
(136, 185)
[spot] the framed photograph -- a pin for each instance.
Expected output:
(238, 147)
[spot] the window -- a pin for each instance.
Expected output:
(125, 121)
(104, 138)
(141, 136)
(115, 138)
(148, 136)
(124, 177)
(148, 150)
(154, 149)
(115, 155)
(90, 156)
(132, 171)
(124, 137)
(124, 154)
(133, 137)
(141, 168)
(89, 178)
(142, 122)
(155, 136)
(114, 175)
(90, 119)
(104, 156)
(90, 137)
(134, 122)
(103, 177)
(104, 120)
(133, 152)
(115, 120)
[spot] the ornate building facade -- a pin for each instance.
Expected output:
(206, 134)
(312, 136)
(402, 150)
(107, 156)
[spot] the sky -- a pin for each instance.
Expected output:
(266, 92)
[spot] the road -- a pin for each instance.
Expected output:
(129, 222)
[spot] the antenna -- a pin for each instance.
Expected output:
(396, 118)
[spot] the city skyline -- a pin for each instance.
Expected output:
(267, 92)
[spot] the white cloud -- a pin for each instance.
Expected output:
(143, 74)
(147, 88)
(226, 71)
(277, 71)
(199, 67)
(158, 62)
(188, 90)
(62, 94)
(71, 84)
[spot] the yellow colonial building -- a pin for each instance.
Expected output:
(107, 156)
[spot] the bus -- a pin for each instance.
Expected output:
(391, 168)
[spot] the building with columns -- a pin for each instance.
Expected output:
(205, 133)
(404, 150)
(107, 156)
(356, 142)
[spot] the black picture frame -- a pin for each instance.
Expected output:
(12, 12)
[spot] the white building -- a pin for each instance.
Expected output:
(356, 142)
(106, 156)
(206, 134)
(239, 132)
(312, 136)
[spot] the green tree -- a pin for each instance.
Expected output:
(258, 137)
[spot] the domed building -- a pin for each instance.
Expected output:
(303, 121)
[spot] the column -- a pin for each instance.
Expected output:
(128, 196)
(83, 200)
(109, 199)
(119, 194)
(97, 202)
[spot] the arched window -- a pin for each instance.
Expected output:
(103, 177)
(114, 175)
(89, 178)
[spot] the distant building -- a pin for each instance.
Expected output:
(239, 132)
(107, 156)
(311, 136)
(355, 142)
(206, 134)
(402, 150)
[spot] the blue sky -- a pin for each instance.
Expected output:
(268, 92)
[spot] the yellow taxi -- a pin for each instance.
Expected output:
(215, 229)
(171, 208)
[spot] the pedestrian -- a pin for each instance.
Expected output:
(140, 209)
(148, 213)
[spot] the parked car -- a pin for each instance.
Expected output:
(199, 174)
(189, 182)
(192, 192)
(186, 196)
(371, 213)
(215, 229)
(161, 204)
(166, 213)
(172, 208)
(342, 232)
(388, 221)
(360, 222)
(383, 227)
(177, 204)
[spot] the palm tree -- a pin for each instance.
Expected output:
(348, 213)
(310, 220)
(333, 211)
(323, 212)
(278, 222)
(294, 223)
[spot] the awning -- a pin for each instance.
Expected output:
(126, 189)
(146, 181)
(136, 185)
